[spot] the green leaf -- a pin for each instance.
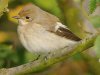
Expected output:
(3, 6)
(92, 6)
(97, 47)
(97, 1)
(95, 20)
(5, 51)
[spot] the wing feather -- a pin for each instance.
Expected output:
(63, 31)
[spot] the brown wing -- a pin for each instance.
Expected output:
(64, 32)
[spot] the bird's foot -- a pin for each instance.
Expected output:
(37, 58)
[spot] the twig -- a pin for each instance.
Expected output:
(39, 65)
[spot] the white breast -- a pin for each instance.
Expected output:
(37, 39)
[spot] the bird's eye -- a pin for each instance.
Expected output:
(27, 17)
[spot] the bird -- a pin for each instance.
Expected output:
(42, 33)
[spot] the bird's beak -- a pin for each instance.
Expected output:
(16, 17)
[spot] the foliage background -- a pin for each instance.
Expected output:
(12, 53)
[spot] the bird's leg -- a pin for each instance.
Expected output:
(45, 56)
(37, 58)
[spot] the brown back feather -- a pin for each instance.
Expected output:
(67, 34)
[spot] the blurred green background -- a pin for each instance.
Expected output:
(12, 53)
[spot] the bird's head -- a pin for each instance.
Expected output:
(27, 14)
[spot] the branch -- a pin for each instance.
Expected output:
(3, 6)
(76, 18)
(42, 64)
(39, 65)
